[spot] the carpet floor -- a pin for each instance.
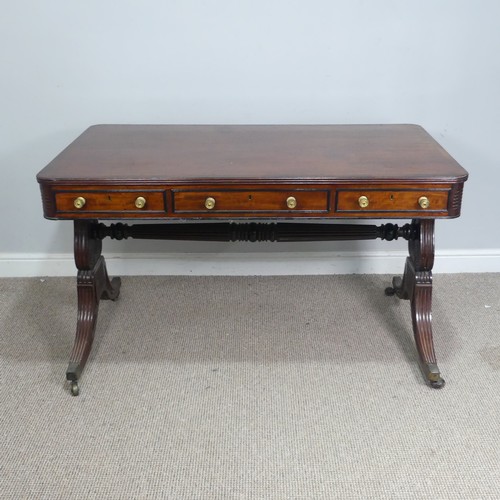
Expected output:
(297, 387)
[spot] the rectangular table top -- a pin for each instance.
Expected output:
(252, 171)
(184, 154)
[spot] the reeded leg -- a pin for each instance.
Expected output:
(93, 284)
(416, 286)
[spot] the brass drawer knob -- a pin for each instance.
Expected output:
(210, 203)
(79, 202)
(424, 202)
(291, 202)
(363, 201)
(140, 202)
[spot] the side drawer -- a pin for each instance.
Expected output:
(251, 201)
(387, 200)
(109, 202)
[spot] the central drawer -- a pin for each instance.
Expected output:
(251, 201)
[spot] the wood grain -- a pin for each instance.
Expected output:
(235, 153)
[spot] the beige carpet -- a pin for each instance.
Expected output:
(250, 388)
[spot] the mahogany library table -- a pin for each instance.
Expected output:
(201, 181)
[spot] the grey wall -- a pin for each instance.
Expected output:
(67, 65)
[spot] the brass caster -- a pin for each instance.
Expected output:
(437, 384)
(432, 375)
(75, 390)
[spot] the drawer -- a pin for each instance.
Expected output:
(251, 201)
(387, 200)
(110, 202)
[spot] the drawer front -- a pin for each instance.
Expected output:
(387, 200)
(251, 201)
(110, 202)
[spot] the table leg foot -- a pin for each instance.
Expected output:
(416, 286)
(93, 284)
(401, 287)
(432, 375)
(112, 290)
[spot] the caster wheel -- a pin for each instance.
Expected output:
(75, 390)
(389, 291)
(437, 384)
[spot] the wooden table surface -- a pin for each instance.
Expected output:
(221, 153)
